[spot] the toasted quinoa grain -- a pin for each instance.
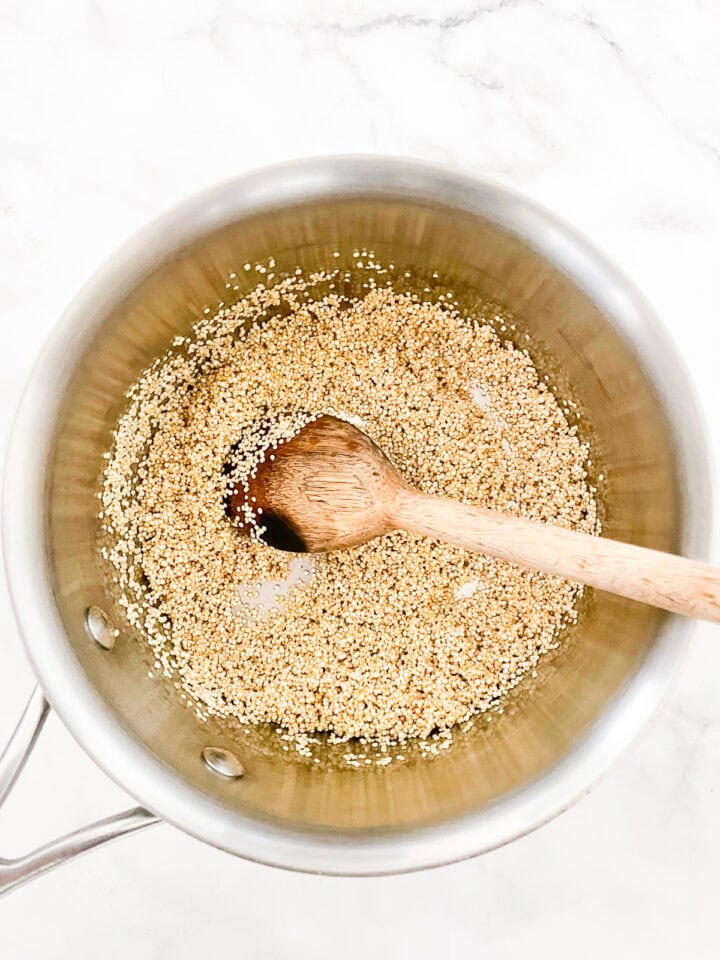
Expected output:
(399, 638)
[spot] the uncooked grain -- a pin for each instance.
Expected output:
(402, 637)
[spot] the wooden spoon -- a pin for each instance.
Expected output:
(330, 487)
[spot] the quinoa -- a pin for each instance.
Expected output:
(401, 637)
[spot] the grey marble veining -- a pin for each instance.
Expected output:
(605, 110)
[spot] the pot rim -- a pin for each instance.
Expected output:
(82, 710)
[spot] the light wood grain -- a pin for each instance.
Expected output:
(661, 579)
(330, 487)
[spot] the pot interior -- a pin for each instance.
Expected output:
(587, 358)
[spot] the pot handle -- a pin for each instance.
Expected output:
(15, 872)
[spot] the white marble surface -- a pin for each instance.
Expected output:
(605, 110)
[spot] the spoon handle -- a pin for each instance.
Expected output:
(660, 579)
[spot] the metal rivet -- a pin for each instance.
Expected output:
(98, 625)
(222, 762)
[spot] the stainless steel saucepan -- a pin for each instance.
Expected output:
(591, 332)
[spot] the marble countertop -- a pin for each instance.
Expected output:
(606, 111)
